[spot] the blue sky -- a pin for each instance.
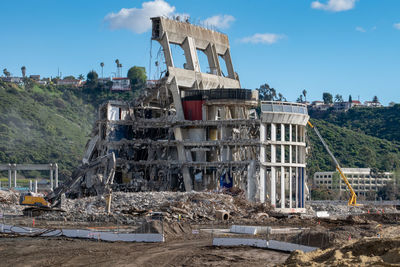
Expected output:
(337, 46)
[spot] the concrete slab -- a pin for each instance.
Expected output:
(82, 233)
(260, 243)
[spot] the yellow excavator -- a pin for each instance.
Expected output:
(38, 204)
(353, 197)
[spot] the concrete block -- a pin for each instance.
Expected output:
(322, 214)
(222, 215)
(242, 229)
(260, 243)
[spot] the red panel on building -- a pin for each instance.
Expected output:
(193, 109)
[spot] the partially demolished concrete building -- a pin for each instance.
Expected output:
(190, 130)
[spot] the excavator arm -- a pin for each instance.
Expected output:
(52, 201)
(353, 197)
(108, 161)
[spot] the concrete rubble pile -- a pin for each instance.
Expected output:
(128, 208)
(340, 209)
(9, 197)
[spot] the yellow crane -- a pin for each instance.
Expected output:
(353, 196)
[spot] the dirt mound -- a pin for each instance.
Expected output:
(365, 252)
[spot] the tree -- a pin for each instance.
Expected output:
(102, 66)
(327, 97)
(281, 97)
(375, 99)
(350, 99)
(81, 77)
(338, 98)
(300, 99)
(23, 70)
(388, 192)
(267, 93)
(305, 95)
(6, 73)
(391, 104)
(70, 77)
(138, 77)
(92, 78)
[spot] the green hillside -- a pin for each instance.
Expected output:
(43, 125)
(381, 122)
(352, 149)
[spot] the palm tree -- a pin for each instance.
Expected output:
(102, 66)
(117, 62)
(23, 70)
(305, 95)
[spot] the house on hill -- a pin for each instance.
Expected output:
(374, 104)
(70, 82)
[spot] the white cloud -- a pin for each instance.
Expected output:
(397, 26)
(263, 38)
(138, 19)
(219, 21)
(360, 29)
(335, 5)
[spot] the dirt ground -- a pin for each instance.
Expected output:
(26, 251)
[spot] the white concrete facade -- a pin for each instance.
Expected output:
(283, 155)
(361, 179)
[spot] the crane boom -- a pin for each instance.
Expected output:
(353, 198)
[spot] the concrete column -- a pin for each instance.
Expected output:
(51, 177)
(192, 59)
(262, 160)
(283, 197)
(164, 41)
(229, 65)
(262, 139)
(36, 186)
(9, 176)
(273, 186)
(30, 185)
(15, 176)
(290, 187)
(179, 134)
(213, 61)
(290, 161)
(174, 89)
(273, 168)
(56, 174)
(273, 132)
(297, 187)
(262, 183)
